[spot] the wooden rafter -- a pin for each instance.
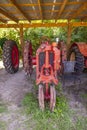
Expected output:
(62, 9)
(84, 17)
(8, 15)
(20, 10)
(81, 9)
(62, 24)
(37, 11)
(39, 3)
(3, 20)
(32, 25)
(44, 4)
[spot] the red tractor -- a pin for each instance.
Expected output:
(47, 61)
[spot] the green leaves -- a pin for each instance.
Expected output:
(79, 34)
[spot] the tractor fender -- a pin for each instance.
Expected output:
(82, 47)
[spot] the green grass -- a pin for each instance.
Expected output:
(2, 125)
(2, 107)
(81, 123)
(60, 119)
(84, 95)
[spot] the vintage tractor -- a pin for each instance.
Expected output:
(78, 53)
(48, 59)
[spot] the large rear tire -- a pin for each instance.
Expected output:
(75, 55)
(11, 56)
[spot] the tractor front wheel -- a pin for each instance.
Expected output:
(11, 56)
(52, 97)
(41, 97)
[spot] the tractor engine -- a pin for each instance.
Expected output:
(47, 66)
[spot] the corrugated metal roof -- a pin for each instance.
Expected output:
(42, 9)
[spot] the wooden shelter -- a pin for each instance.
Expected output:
(24, 13)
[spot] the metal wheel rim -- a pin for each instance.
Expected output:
(15, 57)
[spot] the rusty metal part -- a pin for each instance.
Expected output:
(72, 58)
(82, 47)
(41, 96)
(52, 97)
(48, 63)
(75, 54)
(49, 68)
(27, 58)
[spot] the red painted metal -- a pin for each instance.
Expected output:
(47, 94)
(34, 60)
(82, 47)
(15, 56)
(83, 50)
(51, 76)
(48, 73)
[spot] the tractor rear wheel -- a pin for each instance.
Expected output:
(11, 56)
(75, 55)
(52, 97)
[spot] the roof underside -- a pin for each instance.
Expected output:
(29, 10)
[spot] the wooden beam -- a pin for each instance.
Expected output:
(62, 8)
(79, 24)
(20, 10)
(33, 25)
(39, 3)
(22, 40)
(62, 24)
(3, 20)
(69, 32)
(46, 11)
(45, 4)
(81, 9)
(7, 14)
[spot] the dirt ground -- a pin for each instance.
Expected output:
(14, 87)
(75, 90)
(12, 90)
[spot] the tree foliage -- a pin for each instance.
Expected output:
(34, 35)
(79, 34)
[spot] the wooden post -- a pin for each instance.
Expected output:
(69, 34)
(21, 40)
